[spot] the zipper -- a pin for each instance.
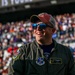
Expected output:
(47, 61)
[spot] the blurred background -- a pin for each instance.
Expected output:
(15, 25)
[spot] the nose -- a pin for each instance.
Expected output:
(38, 27)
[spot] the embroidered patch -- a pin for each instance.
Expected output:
(55, 61)
(16, 56)
(40, 61)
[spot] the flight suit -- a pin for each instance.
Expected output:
(30, 60)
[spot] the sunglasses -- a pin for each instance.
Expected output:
(41, 26)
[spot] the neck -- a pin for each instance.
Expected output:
(45, 42)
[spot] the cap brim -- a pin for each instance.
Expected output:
(34, 18)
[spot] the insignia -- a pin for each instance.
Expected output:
(55, 61)
(18, 51)
(16, 55)
(40, 61)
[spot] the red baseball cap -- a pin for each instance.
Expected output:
(45, 18)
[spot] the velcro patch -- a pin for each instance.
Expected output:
(55, 61)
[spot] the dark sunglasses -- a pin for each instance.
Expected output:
(41, 26)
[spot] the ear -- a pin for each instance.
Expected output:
(53, 30)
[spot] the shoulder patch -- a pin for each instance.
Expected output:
(16, 55)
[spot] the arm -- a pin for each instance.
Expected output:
(17, 64)
(71, 65)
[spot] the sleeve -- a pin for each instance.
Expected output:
(17, 64)
(71, 65)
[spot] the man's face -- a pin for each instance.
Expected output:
(42, 34)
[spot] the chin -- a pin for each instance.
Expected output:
(40, 39)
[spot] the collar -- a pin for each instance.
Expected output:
(37, 45)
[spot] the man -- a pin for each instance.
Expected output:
(44, 56)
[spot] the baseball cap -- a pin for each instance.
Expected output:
(45, 18)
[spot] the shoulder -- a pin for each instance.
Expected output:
(64, 49)
(27, 46)
(61, 47)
